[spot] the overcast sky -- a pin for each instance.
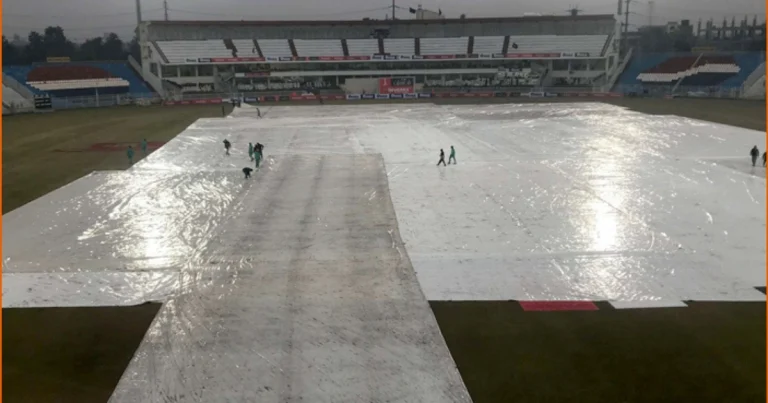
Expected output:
(87, 18)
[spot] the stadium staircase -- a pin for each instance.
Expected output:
(13, 101)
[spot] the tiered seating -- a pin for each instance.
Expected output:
(488, 44)
(363, 47)
(66, 72)
(245, 48)
(639, 71)
(444, 46)
(75, 80)
(90, 84)
(137, 85)
(181, 51)
(592, 44)
(400, 46)
(694, 71)
(318, 47)
(275, 47)
(748, 62)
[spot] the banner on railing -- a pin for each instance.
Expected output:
(397, 85)
(253, 74)
(465, 94)
(209, 101)
(281, 59)
(389, 57)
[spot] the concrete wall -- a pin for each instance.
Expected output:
(198, 30)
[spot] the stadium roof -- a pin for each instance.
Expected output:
(393, 22)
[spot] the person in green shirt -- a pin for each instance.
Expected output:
(250, 150)
(144, 146)
(452, 156)
(257, 157)
(129, 153)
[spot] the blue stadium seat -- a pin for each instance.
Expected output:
(747, 62)
(137, 86)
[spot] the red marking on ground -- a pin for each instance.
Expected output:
(558, 305)
(114, 147)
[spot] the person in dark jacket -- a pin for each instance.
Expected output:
(442, 158)
(763, 158)
(247, 171)
(227, 146)
(754, 153)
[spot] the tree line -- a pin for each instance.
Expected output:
(52, 42)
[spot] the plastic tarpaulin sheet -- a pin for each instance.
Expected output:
(296, 284)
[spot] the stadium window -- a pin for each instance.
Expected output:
(205, 70)
(187, 71)
(170, 71)
(153, 68)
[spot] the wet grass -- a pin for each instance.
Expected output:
(31, 168)
(69, 354)
(707, 352)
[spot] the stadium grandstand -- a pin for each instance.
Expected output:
(352, 57)
(66, 81)
(368, 59)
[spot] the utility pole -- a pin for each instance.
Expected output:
(165, 9)
(138, 12)
(651, 4)
(393, 9)
(626, 24)
(626, 17)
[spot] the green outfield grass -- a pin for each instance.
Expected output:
(707, 352)
(31, 167)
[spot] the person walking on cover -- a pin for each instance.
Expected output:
(754, 153)
(250, 150)
(129, 153)
(763, 158)
(144, 146)
(227, 146)
(452, 157)
(247, 171)
(442, 158)
(257, 156)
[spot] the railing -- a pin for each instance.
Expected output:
(201, 98)
(753, 77)
(696, 63)
(11, 83)
(681, 91)
(619, 70)
(155, 82)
